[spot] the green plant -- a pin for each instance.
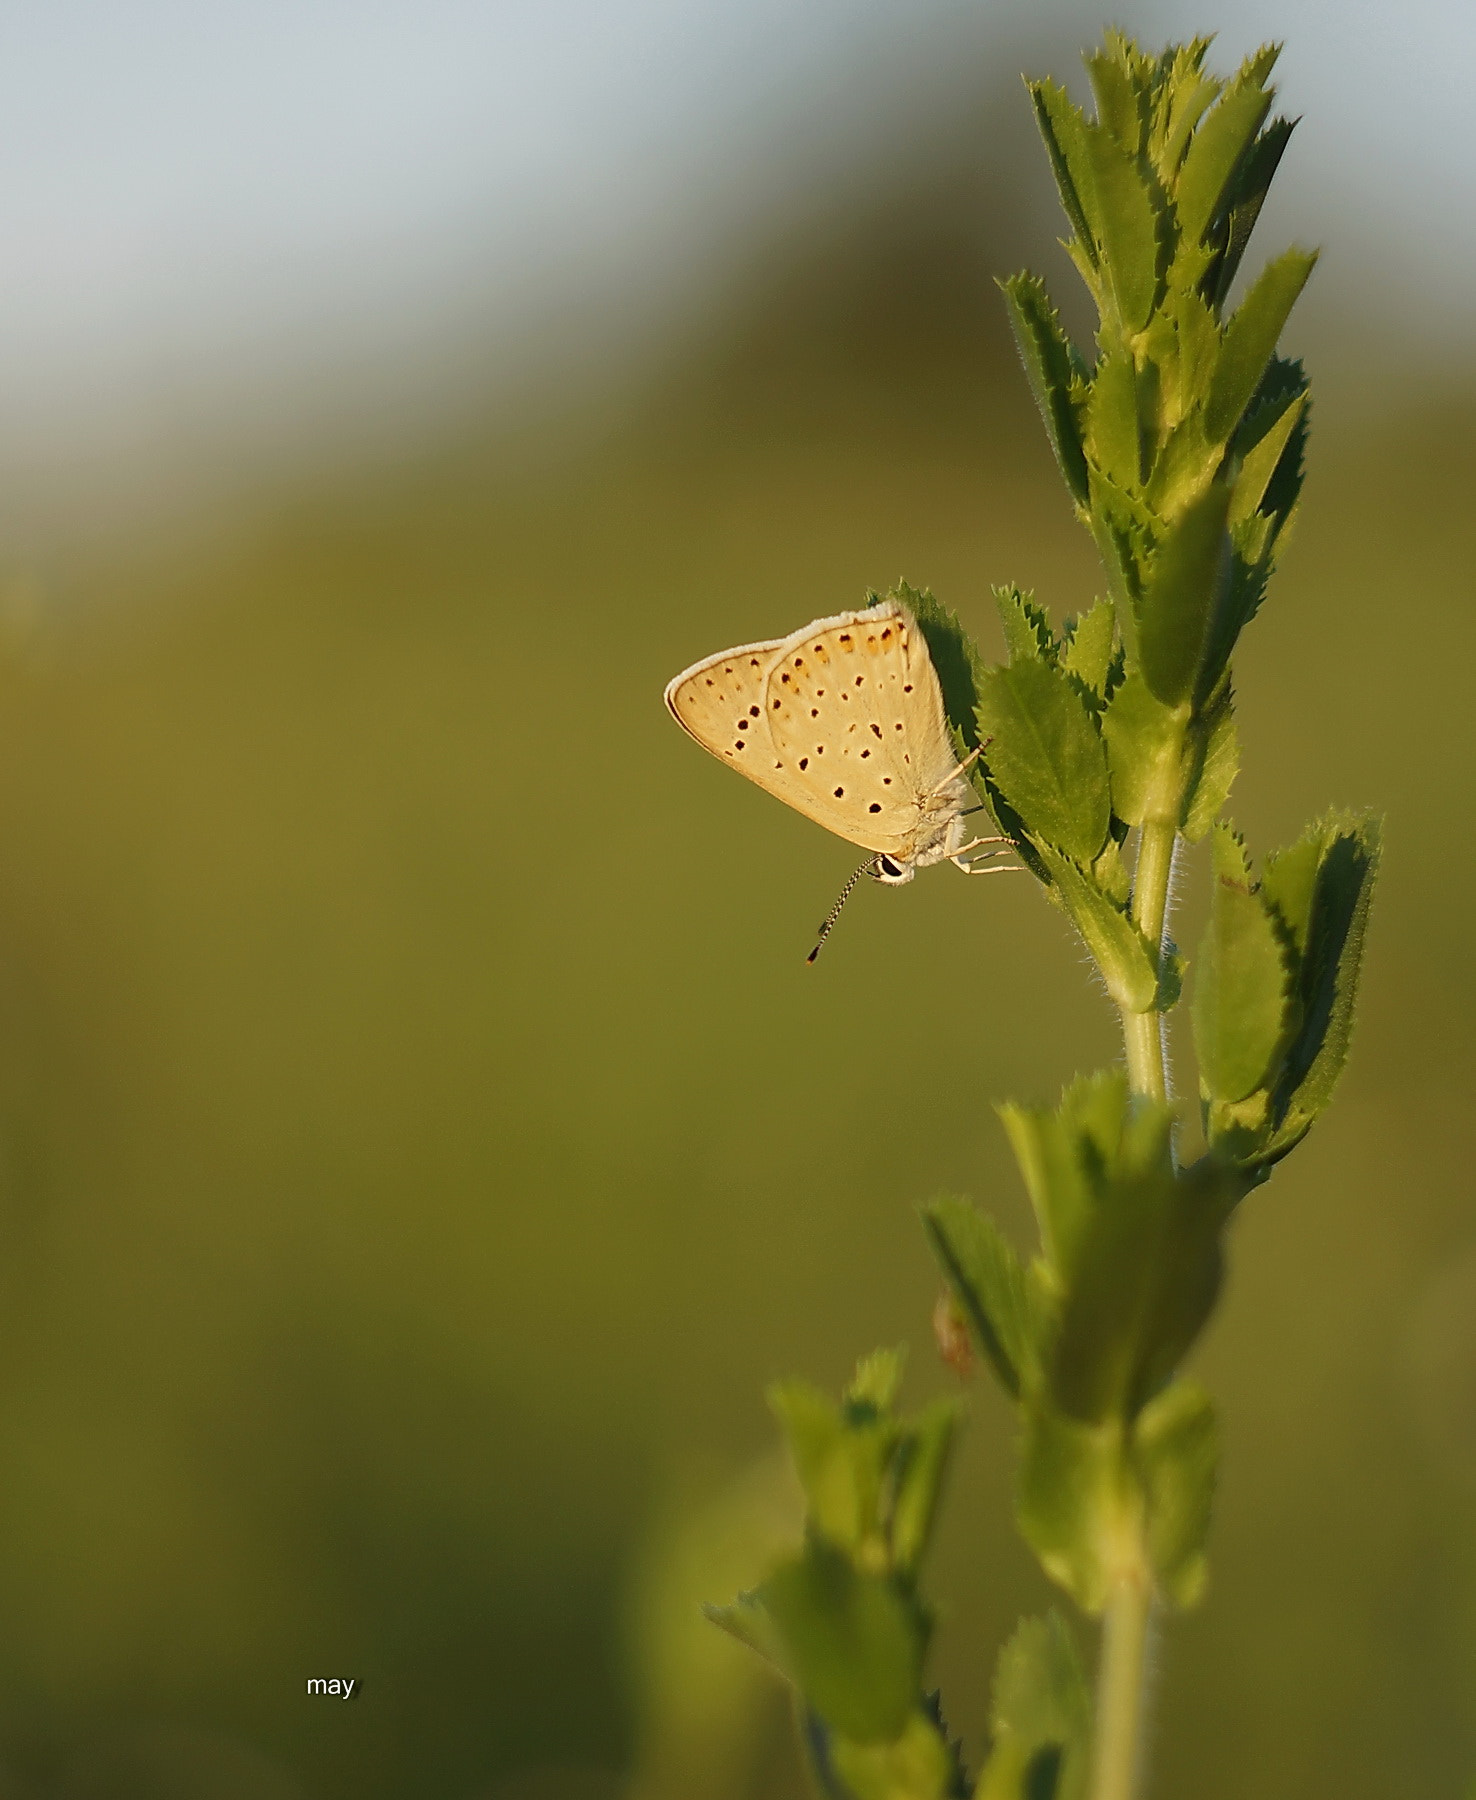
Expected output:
(1181, 444)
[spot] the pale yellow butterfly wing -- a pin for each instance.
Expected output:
(842, 720)
(854, 709)
(720, 702)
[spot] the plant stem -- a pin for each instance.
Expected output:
(1143, 1032)
(1117, 1753)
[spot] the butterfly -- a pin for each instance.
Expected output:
(843, 720)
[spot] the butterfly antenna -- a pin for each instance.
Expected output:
(835, 911)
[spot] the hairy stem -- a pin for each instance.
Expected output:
(1117, 1753)
(1143, 1032)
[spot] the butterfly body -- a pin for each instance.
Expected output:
(842, 720)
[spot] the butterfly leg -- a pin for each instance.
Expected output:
(962, 769)
(957, 830)
(974, 867)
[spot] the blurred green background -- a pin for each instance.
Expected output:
(421, 1137)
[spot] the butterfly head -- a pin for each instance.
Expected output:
(894, 871)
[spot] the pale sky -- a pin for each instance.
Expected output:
(208, 209)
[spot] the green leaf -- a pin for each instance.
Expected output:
(918, 1765)
(820, 1744)
(1197, 341)
(1122, 954)
(1261, 460)
(1282, 376)
(1050, 368)
(1244, 1010)
(1061, 1150)
(1290, 884)
(1126, 530)
(1250, 340)
(1184, 464)
(986, 1275)
(1014, 1773)
(853, 1643)
(1109, 1290)
(1133, 1243)
(1089, 651)
(1254, 178)
(1046, 756)
(1218, 767)
(1040, 1693)
(1181, 1291)
(874, 1387)
(1190, 91)
(1253, 543)
(954, 657)
(923, 1462)
(1215, 154)
(1027, 627)
(1176, 1448)
(1285, 380)
(1119, 107)
(746, 1620)
(1114, 430)
(1145, 752)
(1109, 873)
(1183, 596)
(1064, 128)
(1127, 228)
(1332, 930)
(1040, 1717)
(1144, 1281)
(841, 1462)
(1067, 1500)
